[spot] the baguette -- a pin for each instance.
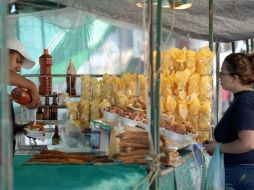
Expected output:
(135, 133)
(133, 145)
(135, 152)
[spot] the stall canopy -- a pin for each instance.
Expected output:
(79, 29)
(233, 20)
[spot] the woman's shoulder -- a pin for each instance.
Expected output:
(244, 98)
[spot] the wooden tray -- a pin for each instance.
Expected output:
(57, 157)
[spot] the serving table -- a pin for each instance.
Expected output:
(76, 177)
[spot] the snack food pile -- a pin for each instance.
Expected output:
(186, 87)
(186, 92)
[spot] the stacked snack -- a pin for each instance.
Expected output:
(186, 86)
(107, 88)
(73, 110)
(85, 98)
(95, 95)
(134, 146)
(84, 112)
(142, 87)
(110, 90)
(96, 91)
(204, 68)
(130, 83)
(171, 156)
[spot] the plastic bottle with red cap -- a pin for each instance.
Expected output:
(71, 79)
(46, 60)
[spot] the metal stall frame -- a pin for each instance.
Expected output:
(6, 165)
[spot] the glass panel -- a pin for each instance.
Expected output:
(6, 176)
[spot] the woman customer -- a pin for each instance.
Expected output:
(235, 130)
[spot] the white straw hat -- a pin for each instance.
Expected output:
(16, 45)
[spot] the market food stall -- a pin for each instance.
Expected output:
(112, 105)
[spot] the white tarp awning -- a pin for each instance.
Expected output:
(233, 20)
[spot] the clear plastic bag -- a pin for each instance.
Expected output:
(215, 179)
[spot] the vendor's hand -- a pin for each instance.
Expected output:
(210, 147)
(35, 98)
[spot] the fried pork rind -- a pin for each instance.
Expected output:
(121, 99)
(191, 60)
(193, 87)
(104, 104)
(167, 62)
(115, 84)
(193, 108)
(121, 84)
(84, 111)
(179, 58)
(142, 84)
(162, 104)
(73, 110)
(96, 88)
(205, 114)
(85, 87)
(181, 79)
(167, 85)
(185, 81)
(181, 111)
(170, 105)
(95, 110)
(115, 89)
(182, 94)
(130, 84)
(204, 61)
(107, 87)
(205, 86)
(131, 89)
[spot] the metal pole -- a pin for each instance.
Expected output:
(233, 47)
(157, 86)
(150, 18)
(6, 168)
(211, 25)
(217, 100)
(252, 45)
(247, 46)
(156, 129)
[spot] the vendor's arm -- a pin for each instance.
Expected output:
(18, 80)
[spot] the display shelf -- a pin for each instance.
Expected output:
(65, 75)
(52, 122)
(53, 106)
(51, 95)
(60, 75)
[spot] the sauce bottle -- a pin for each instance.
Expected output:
(46, 115)
(71, 79)
(21, 96)
(56, 137)
(39, 113)
(54, 110)
(45, 80)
